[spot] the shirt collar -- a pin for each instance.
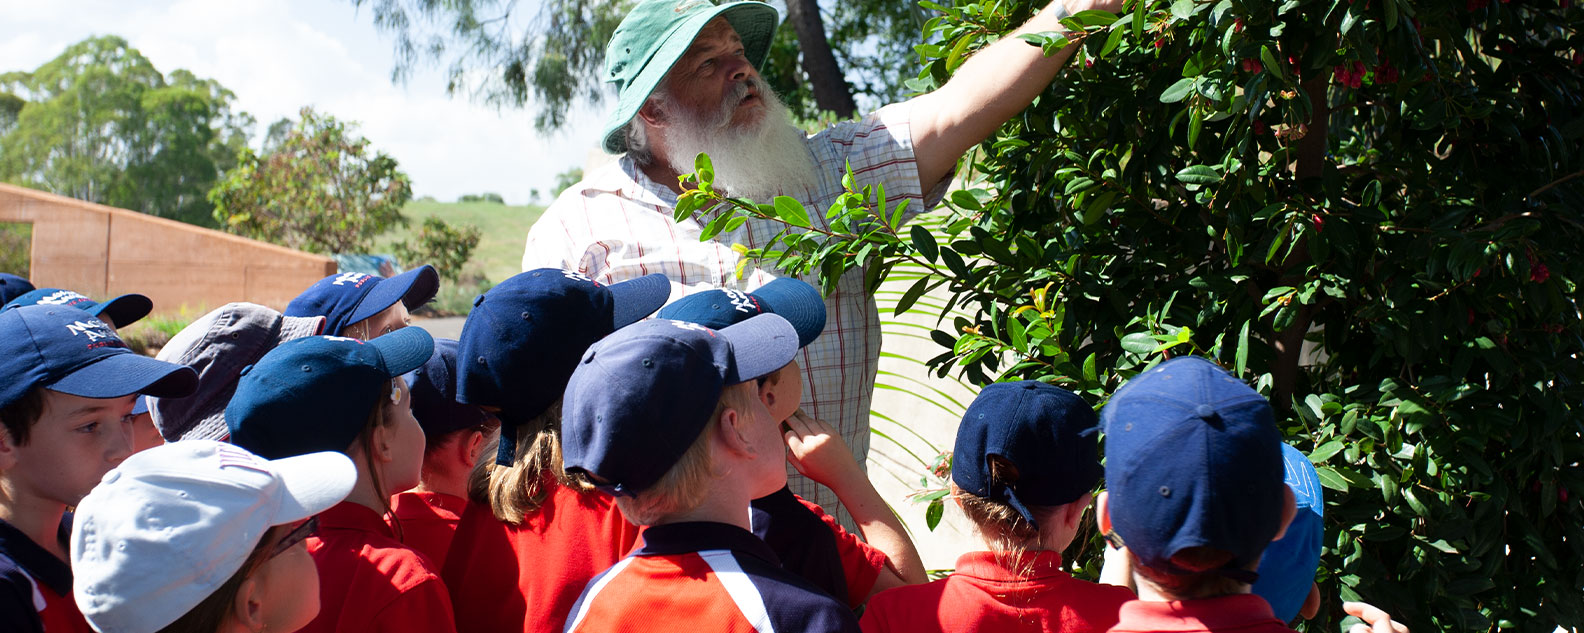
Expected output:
(427, 504)
(698, 536)
(352, 516)
(1032, 565)
(1209, 614)
(625, 179)
(37, 561)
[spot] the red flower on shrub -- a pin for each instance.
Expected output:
(1260, 128)
(1475, 5)
(1539, 273)
(1253, 65)
(1385, 73)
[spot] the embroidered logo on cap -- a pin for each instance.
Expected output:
(356, 279)
(94, 329)
(62, 298)
(577, 276)
(238, 458)
(693, 327)
(343, 339)
(742, 301)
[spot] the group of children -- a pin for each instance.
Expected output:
(578, 462)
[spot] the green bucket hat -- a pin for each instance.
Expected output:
(657, 33)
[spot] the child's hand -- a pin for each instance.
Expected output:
(1375, 620)
(818, 452)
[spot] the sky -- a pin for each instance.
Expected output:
(280, 55)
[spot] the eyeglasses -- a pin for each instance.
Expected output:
(297, 535)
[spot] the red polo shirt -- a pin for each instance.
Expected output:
(986, 595)
(506, 578)
(35, 586)
(1241, 613)
(426, 522)
(369, 581)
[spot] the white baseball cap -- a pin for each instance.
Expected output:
(171, 524)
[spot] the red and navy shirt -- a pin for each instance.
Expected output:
(369, 581)
(704, 577)
(35, 586)
(510, 578)
(811, 544)
(426, 521)
(991, 592)
(1240, 613)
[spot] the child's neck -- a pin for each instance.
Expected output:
(728, 509)
(454, 484)
(38, 519)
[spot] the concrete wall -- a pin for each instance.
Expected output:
(103, 251)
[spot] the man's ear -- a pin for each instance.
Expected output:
(653, 114)
(247, 608)
(1289, 512)
(1103, 512)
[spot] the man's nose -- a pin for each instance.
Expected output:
(740, 69)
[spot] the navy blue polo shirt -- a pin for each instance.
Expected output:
(35, 586)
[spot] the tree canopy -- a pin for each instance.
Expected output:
(1368, 210)
(101, 123)
(551, 60)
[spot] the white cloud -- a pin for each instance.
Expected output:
(280, 55)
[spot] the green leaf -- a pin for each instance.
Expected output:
(1178, 91)
(1090, 373)
(1199, 175)
(1195, 125)
(925, 243)
(1240, 363)
(912, 295)
(1330, 479)
(1094, 17)
(705, 168)
(933, 514)
(1272, 65)
(1139, 343)
(1182, 9)
(1325, 451)
(791, 211)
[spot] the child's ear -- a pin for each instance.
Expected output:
(8, 450)
(1103, 512)
(472, 447)
(767, 394)
(1072, 513)
(1289, 512)
(733, 432)
(247, 609)
(380, 444)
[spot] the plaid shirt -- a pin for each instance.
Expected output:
(617, 225)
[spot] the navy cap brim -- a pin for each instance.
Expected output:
(404, 350)
(635, 299)
(799, 303)
(119, 375)
(413, 288)
(760, 346)
(125, 309)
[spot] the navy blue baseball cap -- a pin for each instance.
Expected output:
(13, 286)
(122, 311)
(1287, 570)
(1048, 434)
(640, 398)
(62, 349)
(1193, 459)
(796, 301)
(347, 298)
(314, 394)
(524, 337)
(434, 400)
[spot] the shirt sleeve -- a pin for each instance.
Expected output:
(425, 608)
(861, 563)
(879, 148)
(17, 597)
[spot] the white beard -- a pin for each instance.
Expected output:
(769, 158)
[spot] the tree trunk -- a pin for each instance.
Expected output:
(825, 75)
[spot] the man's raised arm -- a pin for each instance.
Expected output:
(989, 88)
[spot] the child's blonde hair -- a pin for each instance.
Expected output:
(1008, 533)
(687, 483)
(516, 491)
(1204, 579)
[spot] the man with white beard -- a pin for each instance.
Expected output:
(688, 82)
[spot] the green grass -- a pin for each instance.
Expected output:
(503, 229)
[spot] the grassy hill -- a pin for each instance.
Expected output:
(503, 228)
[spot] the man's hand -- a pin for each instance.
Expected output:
(818, 452)
(1374, 619)
(992, 86)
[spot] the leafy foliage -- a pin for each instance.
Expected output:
(553, 59)
(100, 123)
(321, 190)
(441, 245)
(1369, 210)
(16, 248)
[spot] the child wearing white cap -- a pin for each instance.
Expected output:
(203, 537)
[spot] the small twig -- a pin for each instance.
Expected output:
(1551, 185)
